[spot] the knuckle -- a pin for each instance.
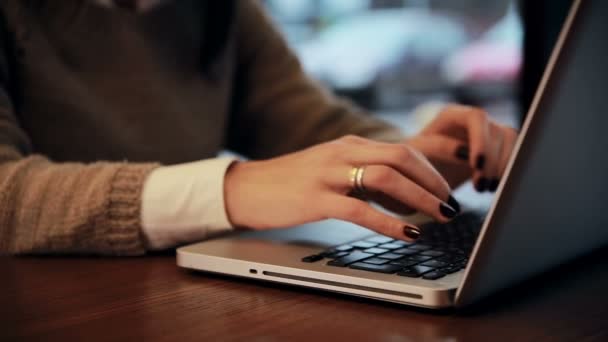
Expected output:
(449, 109)
(402, 153)
(416, 154)
(427, 201)
(334, 151)
(442, 186)
(381, 176)
(350, 138)
(422, 197)
(469, 111)
(354, 210)
(512, 133)
(391, 228)
(478, 113)
(386, 224)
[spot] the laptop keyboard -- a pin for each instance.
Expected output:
(442, 249)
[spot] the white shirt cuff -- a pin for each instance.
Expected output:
(184, 203)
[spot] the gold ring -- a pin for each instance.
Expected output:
(356, 178)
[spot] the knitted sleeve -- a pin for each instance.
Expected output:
(277, 107)
(48, 207)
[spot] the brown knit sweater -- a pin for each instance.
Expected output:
(92, 99)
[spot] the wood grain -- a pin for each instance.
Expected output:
(124, 299)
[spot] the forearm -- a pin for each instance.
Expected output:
(63, 208)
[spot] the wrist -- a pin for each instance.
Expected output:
(233, 191)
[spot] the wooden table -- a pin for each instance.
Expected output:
(132, 299)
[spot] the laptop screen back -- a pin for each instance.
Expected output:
(554, 203)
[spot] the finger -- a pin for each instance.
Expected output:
(479, 140)
(360, 213)
(450, 156)
(509, 140)
(446, 149)
(407, 161)
(494, 156)
(388, 203)
(475, 122)
(390, 182)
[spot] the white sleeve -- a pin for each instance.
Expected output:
(184, 203)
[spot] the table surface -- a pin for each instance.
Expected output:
(76, 298)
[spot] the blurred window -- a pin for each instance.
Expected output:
(394, 55)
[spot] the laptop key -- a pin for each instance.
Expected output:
(421, 247)
(379, 239)
(376, 261)
(349, 259)
(450, 269)
(434, 263)
(406, 251)
(312, 258)
(432, 253)
(363, 244)
(328, 252)
(335, 255)
(376, 268)
(390, 256)
(456, 250)
(390, 246)
(404, 263)
(344, 248)
(420, 258)
(375, 250)
(415, 271)
(408, 272)
(402, 243)
(450, 259)
(433, 275)
(462, 262)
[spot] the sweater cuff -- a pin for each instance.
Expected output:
(184, 203)
(123, 234)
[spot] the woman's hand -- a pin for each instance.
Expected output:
(314, 184)
(462, 142)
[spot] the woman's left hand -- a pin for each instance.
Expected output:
(462, 143)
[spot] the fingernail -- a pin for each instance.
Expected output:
(447, 211)
(493, 184)
(481, 185)
(481, 162)
(454, 203)
(411, 232)
(462, 153)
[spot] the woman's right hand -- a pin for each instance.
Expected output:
(314, 184)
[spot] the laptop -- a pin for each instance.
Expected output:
(551, 205)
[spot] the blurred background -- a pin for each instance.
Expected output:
(402, 59)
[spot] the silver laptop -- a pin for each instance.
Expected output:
(551, 206)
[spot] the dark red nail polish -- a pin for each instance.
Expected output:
(454, 203)
(462, 153)
(482, 184)
(411, 232)
(447, 211)
(481, 162)
(493, 184)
